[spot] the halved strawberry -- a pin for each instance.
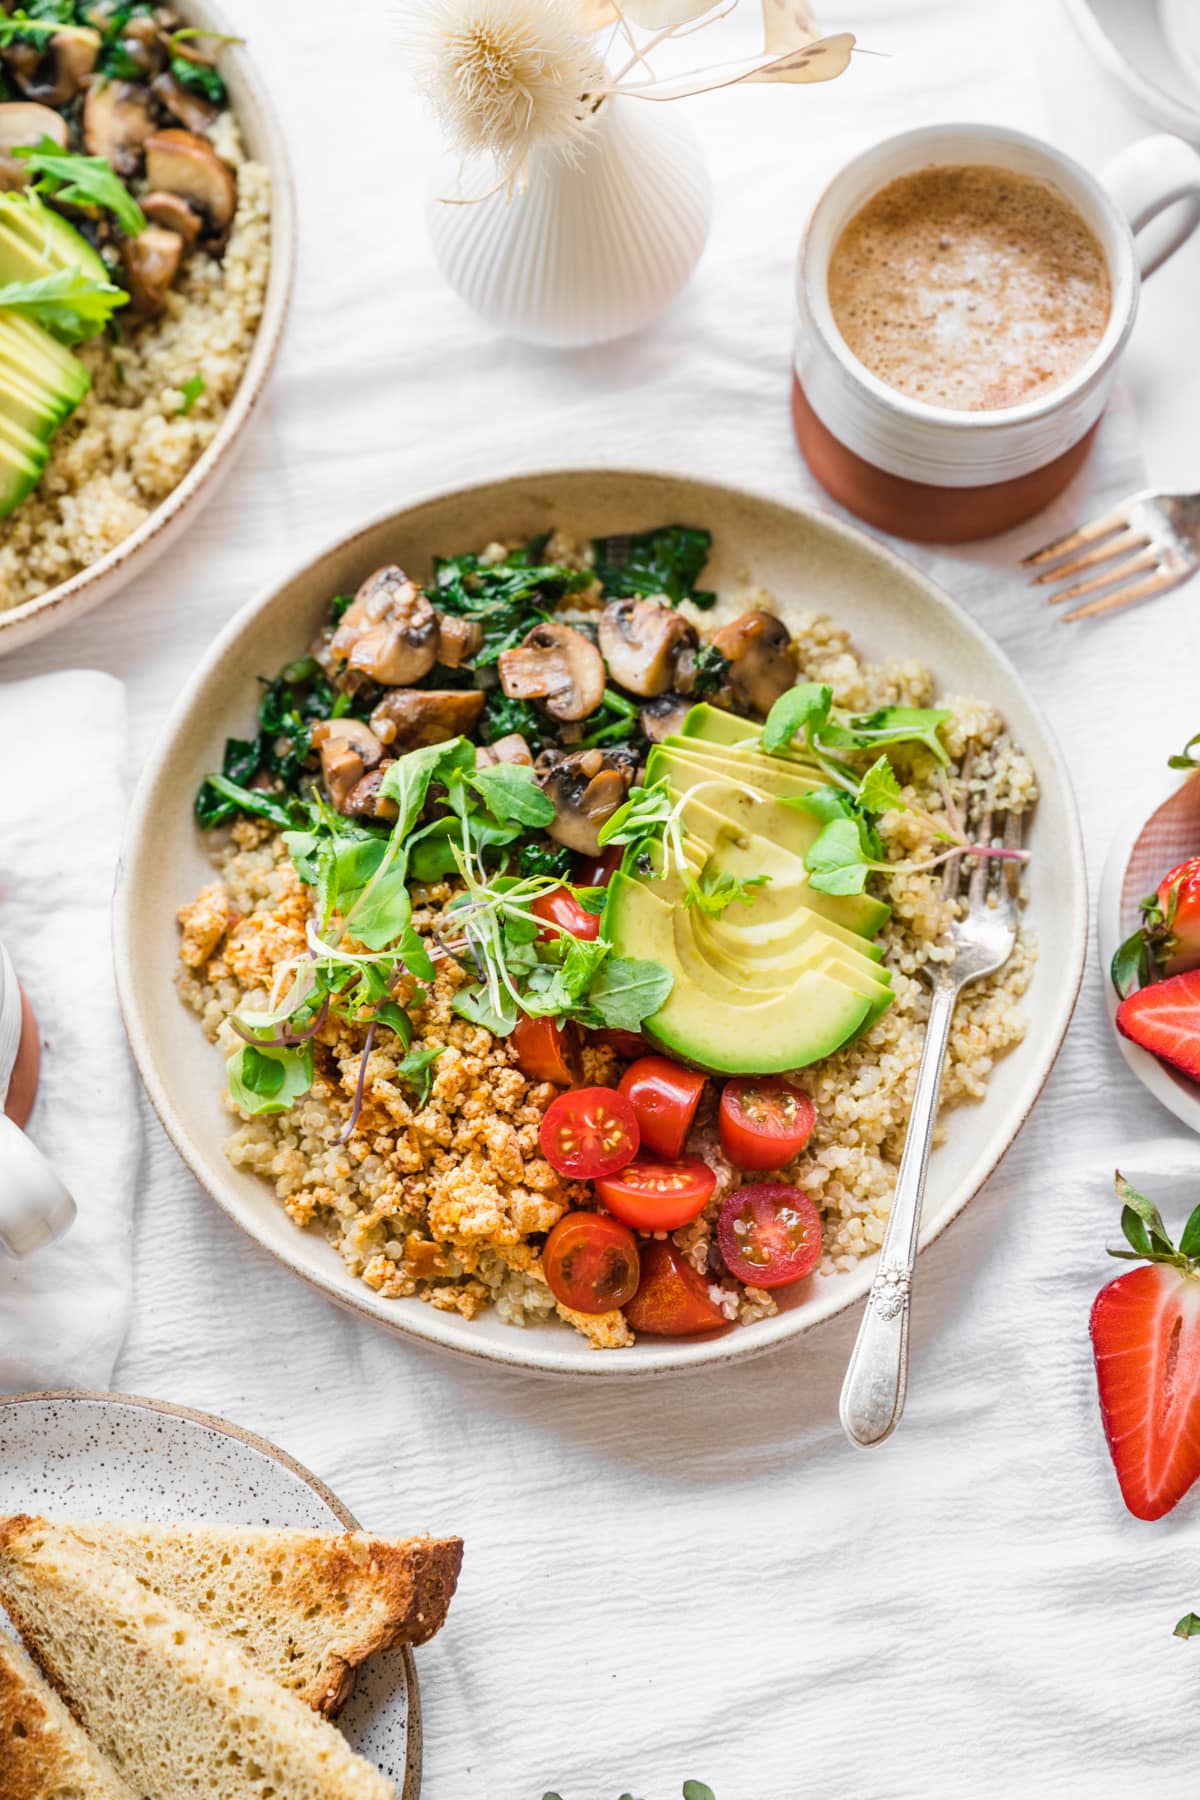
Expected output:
(1165, 1019)
(1168, 939)
(1145, 1329)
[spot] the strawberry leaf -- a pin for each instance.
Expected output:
(1130, 967)
(1145, 1210)
(1188, 1626)
(1189, 1243)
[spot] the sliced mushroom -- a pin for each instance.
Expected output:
(187, 165)
(458, 640)
(183, 103)
(24, 123)
(151, 262)
(664, 716)
(586, 787)
(407, 718)
(173, 213)
(389, 631)
(761, 657)
(56, 71)
(558, 666)
(364, 800)
(348, 748)
(142, 43)
(641, 641)
(117, 122)
(509, 749)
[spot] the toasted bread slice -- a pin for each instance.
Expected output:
(177, 1709)
(43, 1753)
(305, 1608)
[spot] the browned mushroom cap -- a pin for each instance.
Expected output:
(761, 657)
(389, 631)
(509, 749)
(188, 165)
(558, 666)
(364, 800)
(458, 640)
(56, 71)
(664, 716)
(407, 718)
(117, 122)
(23, 122)
(348, 748)
(640, 641)
(173, 213)
(151, 263)
(586, 787)
(183, 103)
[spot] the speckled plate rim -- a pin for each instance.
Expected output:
(677, 1356)
(1165, 109)
(70, 599)
(59, 1396)
(1178, 1096)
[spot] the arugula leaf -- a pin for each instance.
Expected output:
(668, 561)
(510, 791)
(416, 1071)
(191, 390)
(627, 990)
(22, 26)
(68, 303)
(802, 708)
(82, 181)
(264, 1081)
(713, 894)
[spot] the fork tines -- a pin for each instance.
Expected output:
(1135, 539)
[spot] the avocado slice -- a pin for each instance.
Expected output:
(818, 952)
(780, 937)
(772, 776)
(767, 1032)
(36, 241)
(717, 726)
(40, 384)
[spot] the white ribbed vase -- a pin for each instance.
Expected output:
(590, 250)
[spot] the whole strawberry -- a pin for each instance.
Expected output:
(1146, 1340)
(1168, 939)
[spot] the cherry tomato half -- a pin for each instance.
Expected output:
(625, 1043)
(665, 1098)
(598, 871)
(591, 1262)
(588, 1132)
(658, 1196)
(560, 908)
(769, 1234)
(672, 1299)
(547, 1050)
(764, 1122)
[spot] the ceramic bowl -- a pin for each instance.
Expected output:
(133, 555)
(803, 558)
(111, 1456)
(1151, 52)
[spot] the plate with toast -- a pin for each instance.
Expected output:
(188, 1612)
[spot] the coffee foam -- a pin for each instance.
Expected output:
(970, 287)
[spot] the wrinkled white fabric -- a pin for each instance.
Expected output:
(700, 1578)
(63, 1312)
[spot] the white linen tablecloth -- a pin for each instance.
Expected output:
(700, 1578)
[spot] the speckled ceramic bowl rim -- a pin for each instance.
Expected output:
(77, 595)
(679, 1357)
(57, 1396)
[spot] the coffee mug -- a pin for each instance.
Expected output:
(932, 473)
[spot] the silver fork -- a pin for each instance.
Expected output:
(876, 1381)
(1153, 539)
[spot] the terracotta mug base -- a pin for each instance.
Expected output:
(916, 509)
(22, 1088)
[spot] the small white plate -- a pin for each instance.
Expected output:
(1151, 49)
(1161, 832)
(110, 1456)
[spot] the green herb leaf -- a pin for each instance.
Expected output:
(218, 800)
(200, 78)
(475, 1004)
(901, 725)
(511, 793)
(82, 181)
(879, 790)
(713, 894)
(628, 990)
(544, 859)
(416, 1071)
(642, 815)
(68, 303)
(264, 1081)
(668, 561)
(1188, 1626)
(191, 390)
(802, 708)
(835, 862)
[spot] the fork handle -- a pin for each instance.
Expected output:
(877, 1377)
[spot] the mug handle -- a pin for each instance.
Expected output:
(35, 1207)
(1145, 179)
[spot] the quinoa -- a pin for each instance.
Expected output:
(450, 1202)
(130, 442)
